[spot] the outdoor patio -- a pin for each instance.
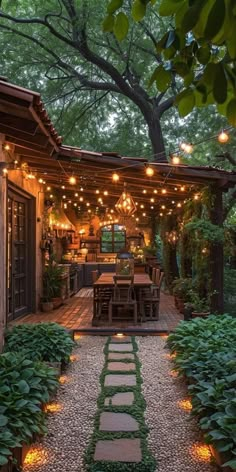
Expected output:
(77, 313)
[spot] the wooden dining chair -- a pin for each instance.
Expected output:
(150, 301)
(123, 299)
(95, 275)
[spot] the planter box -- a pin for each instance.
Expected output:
(220, 459)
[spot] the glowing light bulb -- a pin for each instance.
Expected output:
(7, 147)
(115, 177)
(40, 181)
(72, 180)
(175, 160)
(149, 171)
(223, 137)
(164, 191)
(188, 148)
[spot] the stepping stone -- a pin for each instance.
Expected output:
(124, 339)
(120, 399)
(120, 347)
(112, 356)
(117, 422)
(120, 380)
(124, 366)
(118, 450)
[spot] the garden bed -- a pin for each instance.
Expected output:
(205, 352)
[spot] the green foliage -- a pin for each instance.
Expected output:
(230, 290)
(24, 386)
(206, 352)
(136, 410)
(44, 341)
(182, 287)
(52, 281)
(203, 38)
(197, 303)
(205, 230)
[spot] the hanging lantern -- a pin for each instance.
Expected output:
(124, 263)
(125, 206)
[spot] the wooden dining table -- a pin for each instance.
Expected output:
(106, 282)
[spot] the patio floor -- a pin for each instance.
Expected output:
(77, 313)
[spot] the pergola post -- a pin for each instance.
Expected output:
(3, 235)
(217, 255)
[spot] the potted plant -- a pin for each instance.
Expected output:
(52, 284)
(181, 291)
(198, 306)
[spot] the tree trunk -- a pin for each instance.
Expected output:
(156, 137)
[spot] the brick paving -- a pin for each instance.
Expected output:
(77, 313)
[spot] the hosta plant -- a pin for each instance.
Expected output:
(43, 341)
(24, 386)
(206, 352)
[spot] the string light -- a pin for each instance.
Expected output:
(175, 159)
(223, 137)
(149, 171)
(5, 171)
(115, 177)
(164, 191)
(72, 180)
(40, 181)
(188, 148)
(48, 188)
(7, 147)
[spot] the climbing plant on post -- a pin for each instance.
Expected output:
(169, 227)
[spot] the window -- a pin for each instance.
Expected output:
(112, 238)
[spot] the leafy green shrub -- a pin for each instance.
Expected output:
(44, 341)
(230, 290)
(182, 287)
(206, 352)
(24, 386)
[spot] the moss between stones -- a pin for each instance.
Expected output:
(148, 462)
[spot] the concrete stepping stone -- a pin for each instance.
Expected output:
(114, 422)
(112, 356)
(124, 366)
(118, 450)
(124, 339)
(120, 347)
(120, 380)
(120, 399)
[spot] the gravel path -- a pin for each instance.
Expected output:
(70, 429)
(172, 438)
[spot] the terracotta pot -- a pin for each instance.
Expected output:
(200, 315)
(57, 301)
(47, 306)
(180, 302)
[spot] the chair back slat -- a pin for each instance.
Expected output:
(124, 288)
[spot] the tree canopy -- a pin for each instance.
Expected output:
(199, 49)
